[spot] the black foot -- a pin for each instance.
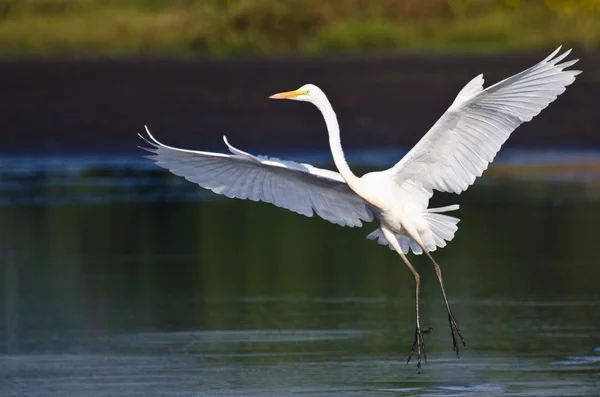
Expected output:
(455, 334)
(419, 345)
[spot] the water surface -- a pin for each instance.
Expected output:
(119, 279)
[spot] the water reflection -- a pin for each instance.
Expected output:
(122, 280)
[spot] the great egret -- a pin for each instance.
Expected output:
(455, 151)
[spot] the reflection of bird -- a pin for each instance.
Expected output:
(455, 151)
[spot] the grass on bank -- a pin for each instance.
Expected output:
(269, 27)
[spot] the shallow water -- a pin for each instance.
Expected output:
(121, 280)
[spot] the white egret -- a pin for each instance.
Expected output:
(455, 151)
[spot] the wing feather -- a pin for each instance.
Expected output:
(298, 187)
(462, 143)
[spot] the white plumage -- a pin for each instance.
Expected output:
(297, 187)
(459, 147)
(455, 151)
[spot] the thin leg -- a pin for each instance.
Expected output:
(419, 343)
(453, 325)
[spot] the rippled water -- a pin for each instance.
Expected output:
(118, 280)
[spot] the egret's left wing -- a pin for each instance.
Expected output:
(461, 144)
(301, 188)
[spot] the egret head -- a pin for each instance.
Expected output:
(306, 93)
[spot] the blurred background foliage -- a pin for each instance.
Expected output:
(269, 27)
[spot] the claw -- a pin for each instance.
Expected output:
(419, 345)
(455, 332)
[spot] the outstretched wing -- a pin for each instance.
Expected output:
(461, 144)
(301, 188)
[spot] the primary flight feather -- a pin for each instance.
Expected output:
(297, 187)
(459, 147)
(453, 153)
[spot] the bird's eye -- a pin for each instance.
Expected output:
(307, 92)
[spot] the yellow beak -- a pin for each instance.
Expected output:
(288, 94)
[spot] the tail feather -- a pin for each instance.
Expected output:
(447, 208)
(441, 229)
(406, 243)
(443, 226)
(377, 234)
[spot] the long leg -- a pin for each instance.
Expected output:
(419, 343)
(451, 319)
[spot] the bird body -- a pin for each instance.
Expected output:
(453, 153)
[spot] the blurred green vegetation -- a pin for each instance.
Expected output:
(258, 27)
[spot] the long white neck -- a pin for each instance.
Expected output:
(333, 129)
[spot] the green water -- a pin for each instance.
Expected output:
(227, 297)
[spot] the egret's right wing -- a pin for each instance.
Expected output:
(301, 188)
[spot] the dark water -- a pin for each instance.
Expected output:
(76, 104)
(118, 279)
